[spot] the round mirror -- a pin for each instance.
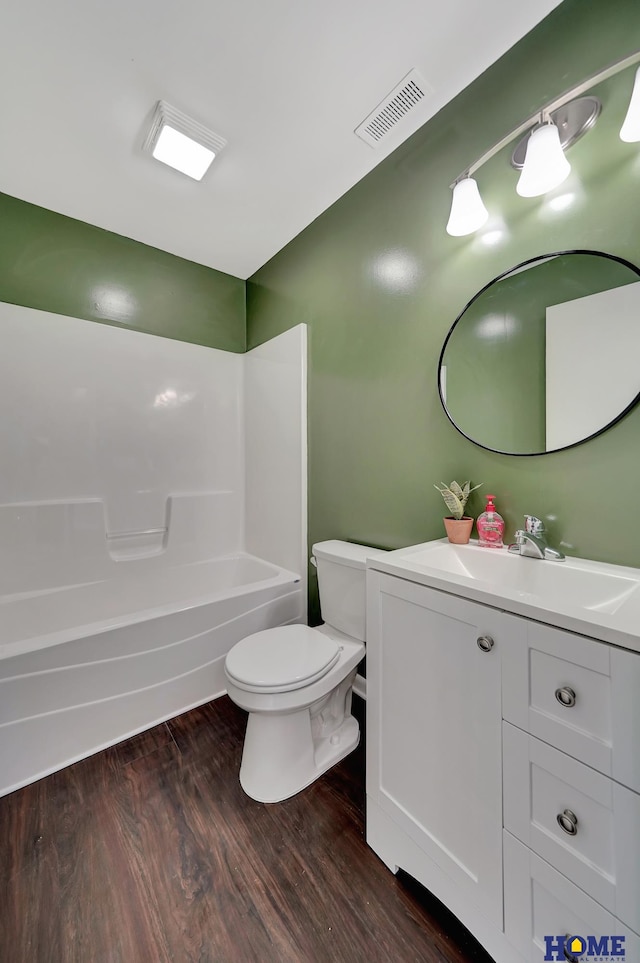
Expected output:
(545, 356)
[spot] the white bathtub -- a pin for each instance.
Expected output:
(85, 666)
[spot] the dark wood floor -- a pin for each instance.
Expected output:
(151, 852)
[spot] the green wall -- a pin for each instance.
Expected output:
(379, 283)
(58, 264)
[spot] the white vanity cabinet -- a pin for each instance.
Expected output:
(434, 731)
(503, 766)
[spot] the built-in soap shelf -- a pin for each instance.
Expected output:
(44, 545)
(137, 544)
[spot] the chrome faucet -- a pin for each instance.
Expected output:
(531, 541)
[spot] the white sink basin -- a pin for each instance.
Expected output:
(584, 584)
(594, 597)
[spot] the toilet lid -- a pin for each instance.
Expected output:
(281, 659)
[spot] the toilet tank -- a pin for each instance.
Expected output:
(341, 582)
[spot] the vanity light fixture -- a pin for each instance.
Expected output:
(539, 155)
(468, 212)
(545, 165)
(177, 140)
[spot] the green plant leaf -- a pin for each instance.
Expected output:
(455, 496)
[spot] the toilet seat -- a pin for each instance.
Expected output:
(282, 659)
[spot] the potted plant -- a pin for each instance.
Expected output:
(458, 525)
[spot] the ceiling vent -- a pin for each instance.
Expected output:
(398, 107)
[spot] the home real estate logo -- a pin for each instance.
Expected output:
(595, 949)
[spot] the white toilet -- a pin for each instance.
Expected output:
(296, 682)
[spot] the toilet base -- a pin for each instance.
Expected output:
(285, 752)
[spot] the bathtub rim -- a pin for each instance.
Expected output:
(15, 647)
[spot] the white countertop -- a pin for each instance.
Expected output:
(595, 599)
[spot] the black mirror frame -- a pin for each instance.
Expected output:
(499, 277)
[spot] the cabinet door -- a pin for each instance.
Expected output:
(434, 718)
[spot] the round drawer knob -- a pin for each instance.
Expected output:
(568, 822)
(566, 696)
(485, 642)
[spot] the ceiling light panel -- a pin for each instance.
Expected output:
(181, 142)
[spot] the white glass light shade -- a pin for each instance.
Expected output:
(468, 213)
(545, 165)
(630, 130)
(182, 153)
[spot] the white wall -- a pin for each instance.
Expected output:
(592, 350)
(107, 431)
(276, 450)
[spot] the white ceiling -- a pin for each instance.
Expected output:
(284, 81)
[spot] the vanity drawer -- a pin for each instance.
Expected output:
(599, 846)
(540, 902)
(577, 694)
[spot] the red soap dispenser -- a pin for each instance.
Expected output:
(490, 526)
